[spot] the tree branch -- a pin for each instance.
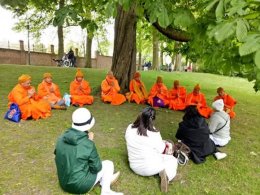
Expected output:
(172, 33)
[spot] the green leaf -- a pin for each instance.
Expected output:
(211, 5)
(224, 31)
(241, 30)
(163, 18)
(153, 17)
(220, 10)
(251, 45)
(257, 58)
(226, 2)
(252, 16)
(237, 7)
(184, 18)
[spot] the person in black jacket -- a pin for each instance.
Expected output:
(71, 57)
(194, 132)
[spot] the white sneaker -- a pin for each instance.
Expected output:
(115, 177)
(111, 193)
(220, 155)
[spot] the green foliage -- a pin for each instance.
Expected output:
(183, 18)
(14, 4)
(239, 27)
(211, 5)
(143, 37)
(163, 18)
(257, 58)
(251, 44)
(220, 10)
(223, 30)
(241, 30)
(66, 12)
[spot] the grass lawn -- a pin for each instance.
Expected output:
(26, 150)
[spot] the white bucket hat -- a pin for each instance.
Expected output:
(82, 119)
(218, 105)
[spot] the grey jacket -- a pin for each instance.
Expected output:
(220, 119)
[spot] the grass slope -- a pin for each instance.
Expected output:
(26, 150)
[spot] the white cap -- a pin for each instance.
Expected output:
(82, 119)
(218, 105)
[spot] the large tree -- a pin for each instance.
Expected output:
(124, 55)
(224, 34)
(89, 15)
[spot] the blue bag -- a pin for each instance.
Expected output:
(66, 99)
(14, 113)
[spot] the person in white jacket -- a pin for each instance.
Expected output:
(146, 149)
(219, 124)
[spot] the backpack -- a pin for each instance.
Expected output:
(14, 113)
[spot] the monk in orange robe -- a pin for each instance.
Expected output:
(50, 91)
(138, 91)
(30, 104)
(229, 102)
(110, 90)
(158, 96)
(80, 91)
(198, 98)
(177, 96)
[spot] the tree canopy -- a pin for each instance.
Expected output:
(224, 35)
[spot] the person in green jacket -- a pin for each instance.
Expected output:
(78, 164)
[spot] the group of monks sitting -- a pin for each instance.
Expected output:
(37, 105)
(176, 98)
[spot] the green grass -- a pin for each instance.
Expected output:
(26, 150)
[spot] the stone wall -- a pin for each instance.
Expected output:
(13, 56)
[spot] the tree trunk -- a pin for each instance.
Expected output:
(60, 35)
(177, 64)
(88, 51)
(155, 50)
(124, 55)
(161, 56)
(140, 61)
(177, 58)
(61, 42)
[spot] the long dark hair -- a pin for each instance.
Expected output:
(191, 112)
(144, 121)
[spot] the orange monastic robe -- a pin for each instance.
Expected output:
(201, 103)
(30, 107)
(80, 93)
(137, 92)
(109, 92)
(45, 92)
(177, 98)
(159, 91)
(229, 104)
